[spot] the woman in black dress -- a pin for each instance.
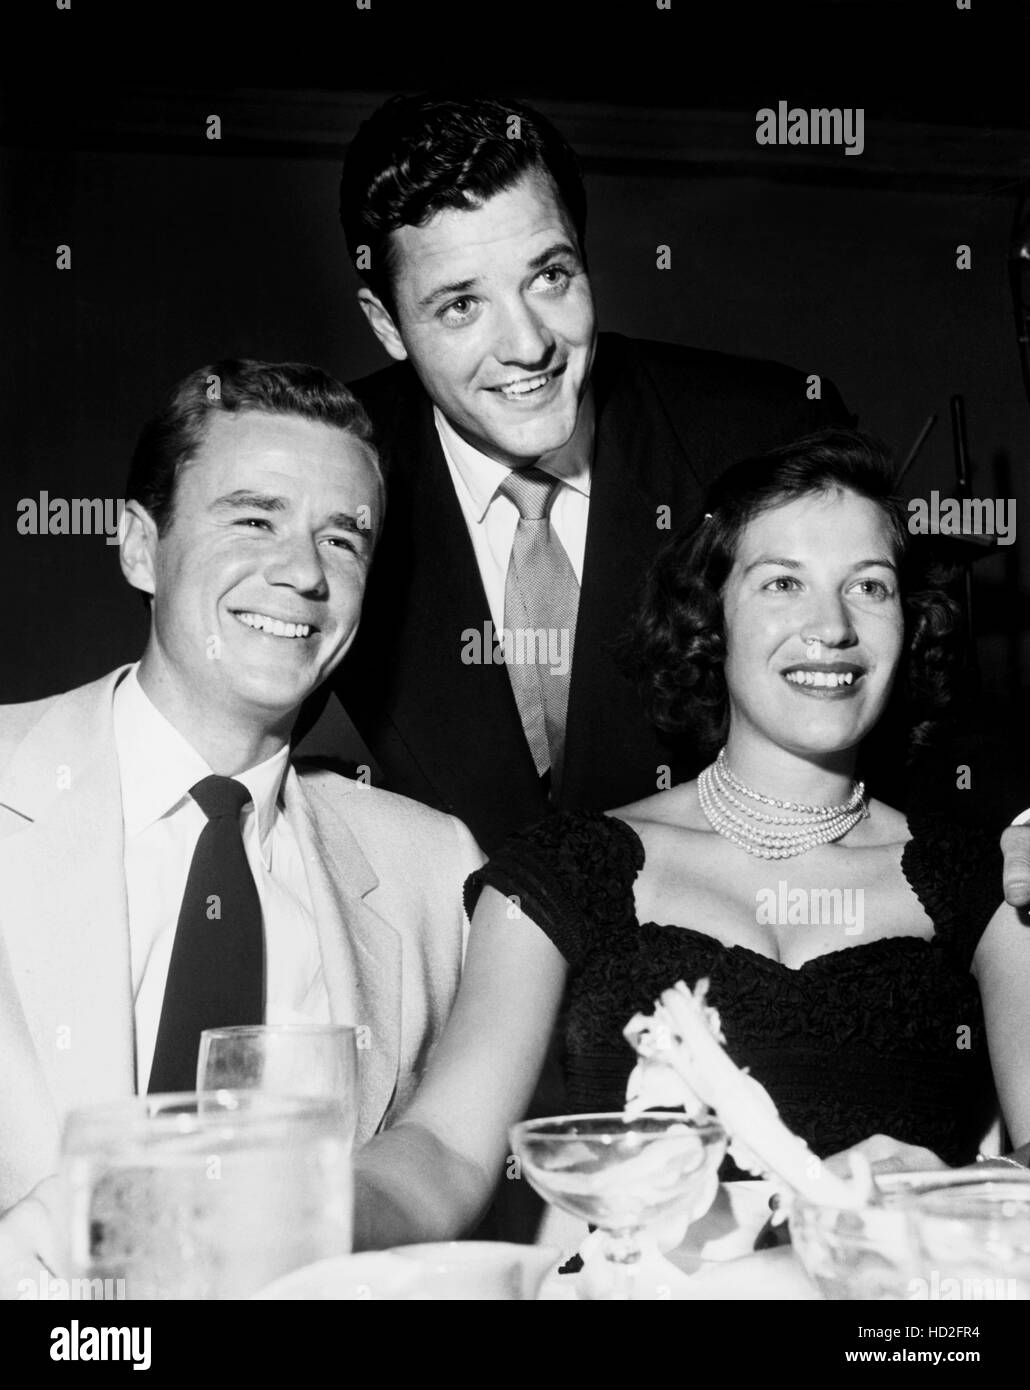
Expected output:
(857, 960)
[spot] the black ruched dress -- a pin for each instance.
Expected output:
(882, 1037)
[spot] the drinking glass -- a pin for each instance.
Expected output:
(973, 1236)
(297, 1059)
(940, 1234)
(621, 1174)
(204, 1196)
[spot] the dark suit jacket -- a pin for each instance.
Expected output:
(669, 420)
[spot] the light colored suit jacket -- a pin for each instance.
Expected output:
(385, 876)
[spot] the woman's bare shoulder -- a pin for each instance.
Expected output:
(676, 807)
(885, 825)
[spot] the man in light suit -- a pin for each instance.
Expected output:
(253, 505)
(466, 221)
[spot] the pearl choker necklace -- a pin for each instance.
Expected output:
(771, 836)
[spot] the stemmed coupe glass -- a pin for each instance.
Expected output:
(620, 1174)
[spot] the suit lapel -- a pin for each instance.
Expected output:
(66, 1015)
(426, 601)
(361, 953)
(425, 593)
(65, 919)
(639, 466)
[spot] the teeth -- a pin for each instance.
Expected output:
(275, 626)
(831, 679)
(523, 387)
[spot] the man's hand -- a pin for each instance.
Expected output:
(1015, 845)
(28, 1239)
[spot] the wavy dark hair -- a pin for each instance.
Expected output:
(676, 646)
(417, 155)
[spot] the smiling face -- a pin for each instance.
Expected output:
(495, 312)
(814, 625)
(258, 580)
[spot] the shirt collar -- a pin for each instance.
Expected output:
(158, 766)
(482, 476)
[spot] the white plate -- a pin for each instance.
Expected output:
(376, 1275)
(445, 1271)
(769, 1275)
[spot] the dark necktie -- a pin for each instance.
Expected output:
(541, 598)
(217, 968)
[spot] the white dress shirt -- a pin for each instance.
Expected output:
(492, 520)
(162, 823)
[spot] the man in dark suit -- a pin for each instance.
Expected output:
(535, 467)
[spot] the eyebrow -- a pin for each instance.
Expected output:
(343, 521)
(797, 564)
(559, 248)
(441, 291)
(260, 501)
(267, 502)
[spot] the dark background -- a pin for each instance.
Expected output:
(185, 249)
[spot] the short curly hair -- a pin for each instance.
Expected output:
(675, 649)
(421, 154)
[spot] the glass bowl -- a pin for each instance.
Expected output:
(619, 1173)
(960, 1233)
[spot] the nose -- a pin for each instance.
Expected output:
(827, 619)
(524, 340)
(296, 563)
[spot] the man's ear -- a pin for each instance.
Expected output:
(381, 322)
(137, 547)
